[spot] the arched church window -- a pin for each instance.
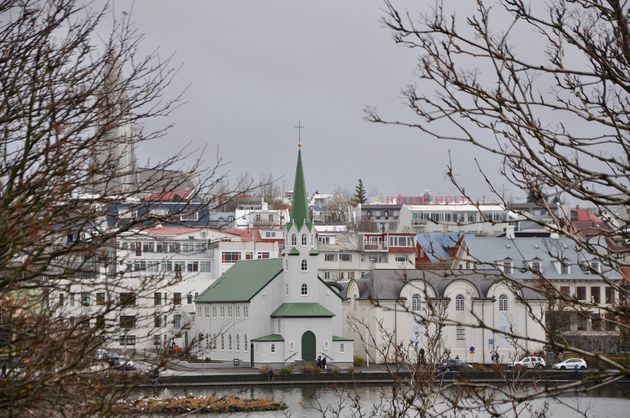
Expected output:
(304, 239)
(459, 302)
(222, 342)
(304, 265)
(291, 346)
(293, 239)
(273, 348)
(245, 345)
(286, 289)
(415, 302)
(238, 343)
(230, 342)
(304, 290)
(503, 303)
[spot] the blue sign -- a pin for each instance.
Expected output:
(471, 349)
(490, 342)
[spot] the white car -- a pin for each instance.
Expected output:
(529, 363)
(571, 363)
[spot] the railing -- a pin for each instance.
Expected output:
(328, 357)
(418, 222)
(374, 247)
(292, 355)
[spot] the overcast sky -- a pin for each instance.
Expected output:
(254, 68)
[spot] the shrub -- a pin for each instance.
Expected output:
(310, 369)
(359, 361)
(285, 371)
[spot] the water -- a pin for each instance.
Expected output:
(320, 401)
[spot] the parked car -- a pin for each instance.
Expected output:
(121, 362)
(529, 363)
(455, 365)
(101, 354)
(571, 363)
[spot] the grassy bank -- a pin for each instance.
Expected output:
(195, 405)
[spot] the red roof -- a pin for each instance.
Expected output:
(172, 196)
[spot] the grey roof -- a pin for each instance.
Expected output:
(490, 251)
(387, 284)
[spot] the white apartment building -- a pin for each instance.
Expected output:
(480, 219)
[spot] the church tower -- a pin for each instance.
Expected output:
(300, 257)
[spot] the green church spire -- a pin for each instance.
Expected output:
(300, 214)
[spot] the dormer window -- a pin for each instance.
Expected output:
(293, 239)
(503, 303)
(536, 266)
(459, 302)
(564, 268)
(595, 265)
(507, 266)
(304, 240)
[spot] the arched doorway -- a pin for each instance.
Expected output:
(308, 346)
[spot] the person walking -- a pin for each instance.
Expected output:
(324, 363)
(319, 362)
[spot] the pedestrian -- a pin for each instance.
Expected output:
(323, 362)
(4, 370)
(422, 355)
(319, 362)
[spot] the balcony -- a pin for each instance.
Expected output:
(374, 246)
(418, 222)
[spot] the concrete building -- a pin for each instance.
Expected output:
(574, 273)
(389, 308)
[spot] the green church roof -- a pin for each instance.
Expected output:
(242, 281)
(268, 338)
(294, 251)
(299, 212)
(301, 310)
(335, 338)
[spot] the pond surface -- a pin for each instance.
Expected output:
(321, 401)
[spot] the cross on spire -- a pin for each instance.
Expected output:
(299, 127)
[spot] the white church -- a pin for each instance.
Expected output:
(275, 312)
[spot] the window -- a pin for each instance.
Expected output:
(507, 266)
(128, 299)
(400, 241)
(127, 321)
(245, 345)
(245, 311)
(166, 265)
(460, 333)
(581, 292)
(400, 258)
(330, 257)
(205, 266)
(191, 216)
(222, 342)
(222, 311)
(214, 311)
(503, 303)
(565, 291)
(581, 322)
(237, 310)
(192, 266)
(273, 348)
(139, 265)
(263, 255)
(127, 340)
(595, 295)
(177, 321)
(179, 266)
(230, 256)
(345, 257)
(564, 268)
(206, 311)
(610, 322)
(230, 342)
(148, 247)
(100, 298)
(536, 266)
(156, 339)
(610, 294)
(595, 265)
(459, 302)
(157, 320)
(71, 299)
(351, 275)
(304, 266)
(293, 239)
(342, 348)
(415, 302)
(304, 290)
(177, 298)
(303, 239)
(327, 275)
(323, 240)
(596, 322)
(238, 343)
(138, 246)
(249, 255)
(229, 311)
(189, 298)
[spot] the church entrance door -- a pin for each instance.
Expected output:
(308, 346)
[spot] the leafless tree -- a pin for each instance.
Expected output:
(73, 96)
(557, 119)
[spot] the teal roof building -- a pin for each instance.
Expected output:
(271, 313)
